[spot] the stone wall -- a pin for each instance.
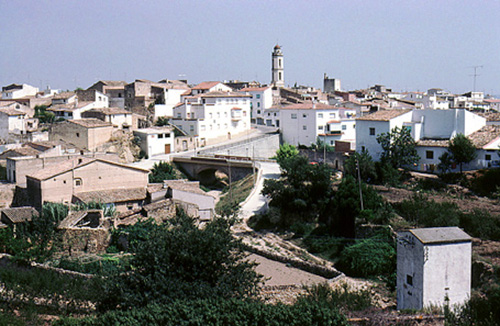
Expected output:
(85, 240)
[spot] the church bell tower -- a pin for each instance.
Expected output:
(277, 71)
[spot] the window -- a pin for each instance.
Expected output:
(304, 127)
(167, 135)
(409, 279)
(191, 128)
(332, 142)
(279, 77)
(344, 127)
(258, 104)
(257, 96)
(160, 135)
(304, 115)
(78, 182)
(202, 128)
(279, 62)
(77, 134)
(320, 127)
(178, 115)
(332, 115)
(258, 111)
(294, 116)
(320, 115)
(210, 115)
(372, 131)
(487, 157)
(429, 155)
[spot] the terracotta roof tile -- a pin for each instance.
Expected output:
(90, 122)
(19, 214)
(384, 115)
(206, 85)
(112, 195)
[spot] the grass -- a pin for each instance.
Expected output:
(240, 190)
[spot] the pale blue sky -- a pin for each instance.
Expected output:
(406, 45)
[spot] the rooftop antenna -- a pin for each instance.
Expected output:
(475, 75)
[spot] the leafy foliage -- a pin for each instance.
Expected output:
(180, 260)
(162, 171)
(398, 147)
(162, 121)
(427, 213)
(445, 162)
(285, 152)
(369, 257)
(462, 150)
(486, 183)
(366, 166)
(220, 312)
(44, 116)
(303, 191)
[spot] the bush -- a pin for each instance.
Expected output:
(375, 256)
(422, 212)
(431, 184)
(454, 178)
(487, 183)
(481, 224)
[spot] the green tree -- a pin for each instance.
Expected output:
(462, 149)
(302, 192)
(285, 151)
(445, 162)
(364, 162)
(162, 171)
(399, 147)
(162, 121)
(181, 260)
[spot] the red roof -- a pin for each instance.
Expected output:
(206, 85)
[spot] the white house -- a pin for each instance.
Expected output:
(15, 91)
(431, 129)
(210, 86)
(433, 267)
(70, 105)
(213, 115)
(303, 123)
(190, 192)
(262, 99)
(494, 104)
(156, 140)
(16, 118)
(427, 101)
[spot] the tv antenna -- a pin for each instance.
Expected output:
(475, 75)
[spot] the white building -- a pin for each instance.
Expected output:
(494, 104)
(171, 93)
(303, 123)
(262, 99)
(156, 140)
(71, 105)
(433, 267)
(431, 129)
(16, 118)
(427, 101)
(15, 91)
(213, 115)
(190, 192)
(119, 118)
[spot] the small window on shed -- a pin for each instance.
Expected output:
(372, 131)
(409, 279)
(77, 134)
(429, 155)
(160, 135)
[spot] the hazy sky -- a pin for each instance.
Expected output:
(406, 45)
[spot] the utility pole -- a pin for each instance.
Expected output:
(475, 76)
(324, 146)
(359, 183)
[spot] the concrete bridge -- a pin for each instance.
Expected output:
(234, 167)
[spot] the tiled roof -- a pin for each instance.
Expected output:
(112, 195)
(490, 116)
(21, 151)
(64, 95)
(110, 111)
(224, 94)
(90, 122)
(308, 106)
(114, 83)
(383, 115)
(485, 135)
(254, 89)
(441, 235)
(69, 107)
(492, 100)
(19, 214)
(154, 130)
(12, 111)
(206, 85)
(68, 165)
(433, 142)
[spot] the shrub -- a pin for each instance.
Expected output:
(486, 184)
(481, 224)
(427, 213)
(369, 257)
(431, 184)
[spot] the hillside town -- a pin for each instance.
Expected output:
(391, 196)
